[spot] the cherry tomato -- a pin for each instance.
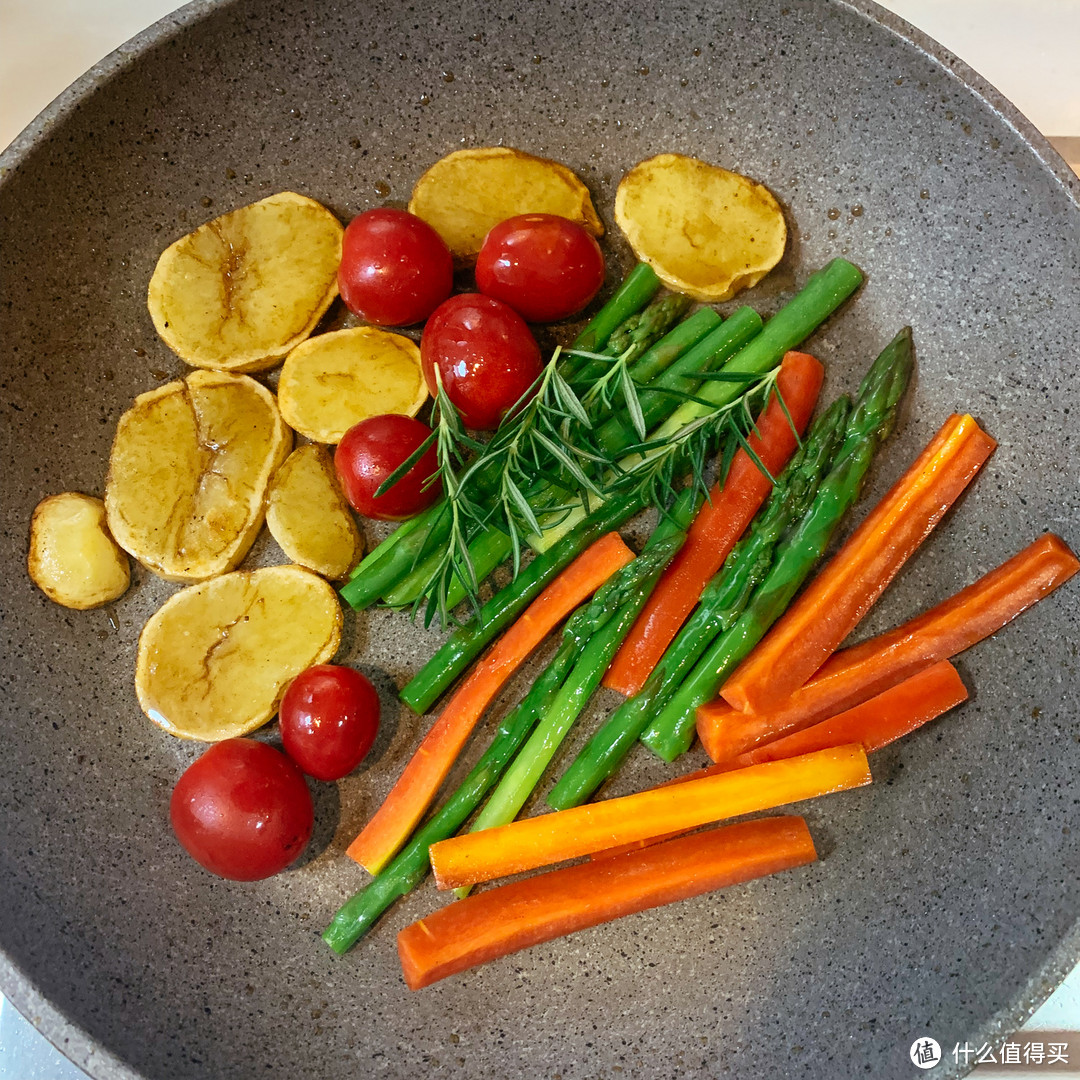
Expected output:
(544, 266)
(242, 810)
(486, 356)
(395, 269)
(329, 718)
(370, 451)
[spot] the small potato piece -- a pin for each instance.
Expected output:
(242, 290)
(308, 515)
(215, 660)
(706, 232)
(188, 473)
(467, 192)
(337, 379)
(73, 560)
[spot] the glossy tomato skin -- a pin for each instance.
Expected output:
(242, 810)
(329, 718)
(544, 266)
(395, 268)
(370, 451)
(486, 356)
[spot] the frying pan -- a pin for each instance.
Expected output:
(945, 901)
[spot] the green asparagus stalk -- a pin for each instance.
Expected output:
(872, 419)
(602, 624)
(722, 602)
(822, 294)
(636, 290)
(408, 867)
(635, 337)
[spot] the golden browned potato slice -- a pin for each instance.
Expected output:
(308, 516)
(467, 192)
(188, 472)
(242, 290)
(336, 380)
(216, 659)
(705, 231)
(73, 559)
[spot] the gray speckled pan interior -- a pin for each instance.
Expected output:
(946, 899)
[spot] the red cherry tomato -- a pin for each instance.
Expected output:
(329, 718)
(486, 356)
(370, 451)
(544, 266)
(395, 269)
(242, 810)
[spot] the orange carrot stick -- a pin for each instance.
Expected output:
(853, 675)
(718, 525)
(874, 724)
(412, 794)
(504, 920)
(565, 834)
(833, 604)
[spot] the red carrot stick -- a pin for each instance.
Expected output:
(539, 841)
(836, 600)
(412, 794)
(719, 524)
(504, 920)
(853, 675)
(875, 723)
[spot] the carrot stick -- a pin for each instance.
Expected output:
(874, 724)
(565, 834)
(719, 523)
(412, 794)
(504, 920)
(856, 674)
(833, 604)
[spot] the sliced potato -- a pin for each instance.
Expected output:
(73, 559)
(215, 660)
(308, 515)
(242, 290)
(467, 192)
(337, 379)
(705, 231)
(188, 473)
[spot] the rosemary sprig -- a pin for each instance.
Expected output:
(542, 465)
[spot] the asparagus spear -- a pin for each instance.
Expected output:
(636, 290)
(721, 603)
(872, 419)
(602, 625)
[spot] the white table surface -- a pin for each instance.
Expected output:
(1028, 49)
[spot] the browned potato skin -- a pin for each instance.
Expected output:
(467, 192)
(73, 558)
(706, 231)
(308, 515)
(215, 660)
(188, 472)
(242, 290)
